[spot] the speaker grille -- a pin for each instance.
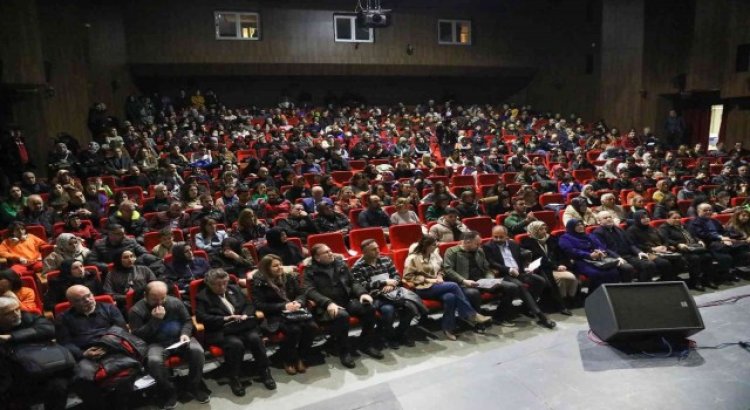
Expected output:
(661, 306)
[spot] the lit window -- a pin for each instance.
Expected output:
(237, 26)
(456, 32)
(347, 29)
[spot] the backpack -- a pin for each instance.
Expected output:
(122, 362)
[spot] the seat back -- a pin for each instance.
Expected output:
(64, 306)
(445, 245)
(399, 259)
(402, 236)
(29, 281)
(549, 218)
(334, 240)
(356, 236)
(481, 224)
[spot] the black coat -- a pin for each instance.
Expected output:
(674, 236)
(495, 257)
(271, 303)
(210, 311)
(551, 259)
(322, 288)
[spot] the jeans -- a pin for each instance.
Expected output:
(388, 313)
(450, 294)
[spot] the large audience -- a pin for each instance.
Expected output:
(190, 232)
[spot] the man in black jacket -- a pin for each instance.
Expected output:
(16, 330)
(337, 296)
(109, 248)
(329, 220)
(231, 323)
(504, 256)
(613, 239)
(35, 213)
(374, 215)
(79, 329)
(298, 224)
(162, 321)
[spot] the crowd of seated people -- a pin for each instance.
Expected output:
(199, 231)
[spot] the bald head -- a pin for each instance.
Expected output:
(81, 298)
(156, 293)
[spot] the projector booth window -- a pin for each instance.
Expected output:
(348, 29)
(232, 25)
(457, 32)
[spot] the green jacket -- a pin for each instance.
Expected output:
(456, 264)
(434, 213)
(515, 223)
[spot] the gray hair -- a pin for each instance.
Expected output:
(602, 214)
(215, 274)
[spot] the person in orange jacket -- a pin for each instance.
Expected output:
(22, 250)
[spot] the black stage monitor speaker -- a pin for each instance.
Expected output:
(619, 312)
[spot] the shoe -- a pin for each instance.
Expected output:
(301, 368)
(545, 321)
(450, 336)
(347, 360)
(267, 380)
(504, 321)
(290, 369)
(372, 352)
(479, 319)
(201, 396)
(407, 341)
(237, 388)
(393, 344)
(171, 402)
(565, 311)
(711, 285)
(698, 287)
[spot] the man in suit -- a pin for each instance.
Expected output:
(337, 296)
(162, 320)
(504, 256)
(231, 323)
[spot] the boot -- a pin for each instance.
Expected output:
(267, 380)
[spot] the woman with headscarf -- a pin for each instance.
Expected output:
(71, 273)
(127, 276)
(553, 264)
(67, 247)
(581, 248)
(589, 194)
(275, 292)
(184, 267)
(669, 264)
(579, 209)
(277, 244)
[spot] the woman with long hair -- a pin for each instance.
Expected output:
(347, 201)
(209, 238)
(250, 228)
(423, 271)
(274, 293)
(739, 225)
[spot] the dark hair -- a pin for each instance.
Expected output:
(424, 243)
(469, 235)
(204, 224)
(12, 277)
(368, 242)
(13, 226)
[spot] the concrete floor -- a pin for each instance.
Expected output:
(551, 369)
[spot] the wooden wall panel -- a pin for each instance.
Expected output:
(20, 43)
(736, 84)
(709, 45)
(171, 32)
(622, 62)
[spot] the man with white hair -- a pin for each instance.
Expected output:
(612, 239)
(318, 196)
(17, 329)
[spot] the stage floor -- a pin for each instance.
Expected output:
(550, 369)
